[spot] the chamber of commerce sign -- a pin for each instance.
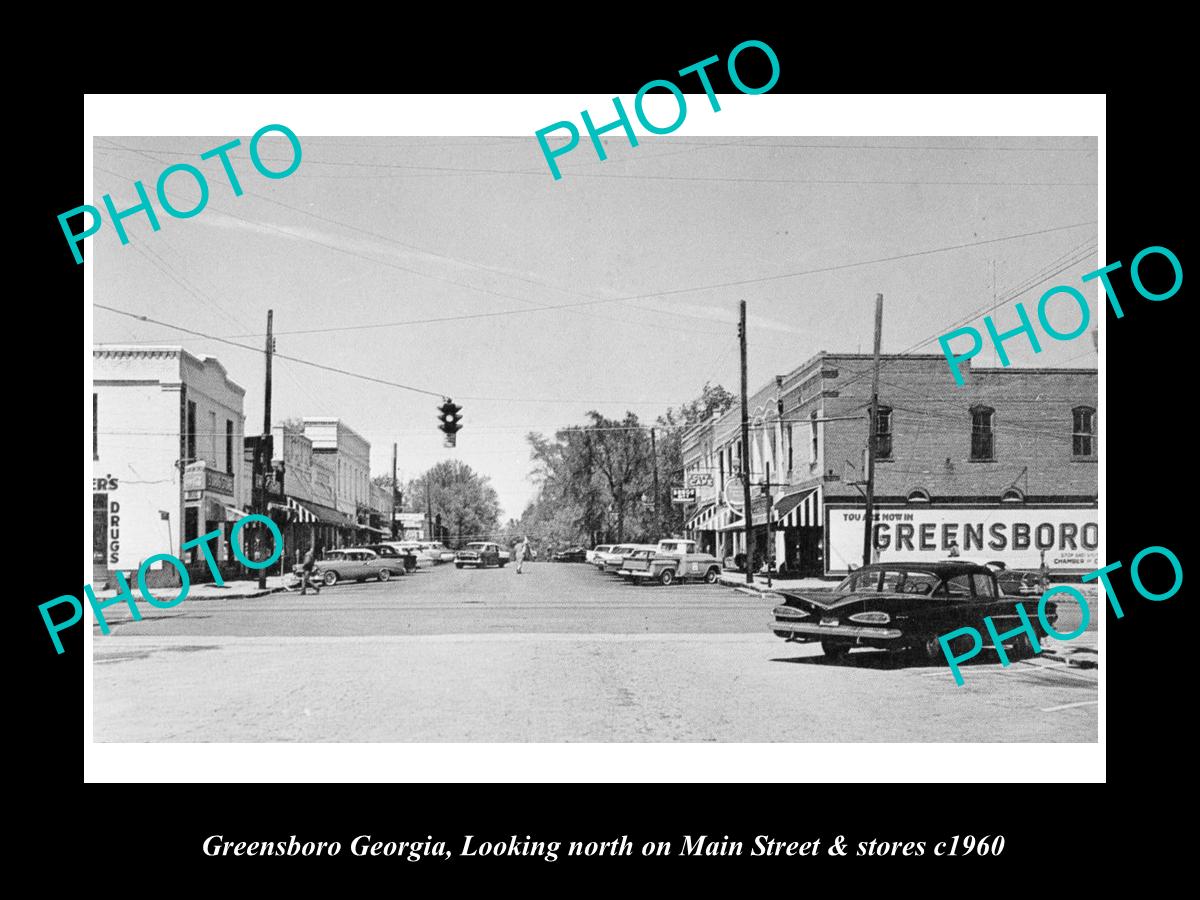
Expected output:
(1016, 537)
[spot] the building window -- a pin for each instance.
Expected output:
(1012, 495)
(1083, 432)
(95, 426)
(883, 433)
(983, 433)
(812, 425)
(191, 430)
(229, 446)
(789, 446)
(920, 495)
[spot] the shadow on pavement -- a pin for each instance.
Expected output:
(884, 660)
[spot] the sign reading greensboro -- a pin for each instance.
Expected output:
(1015, 537)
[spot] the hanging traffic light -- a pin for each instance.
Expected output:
(448, 421)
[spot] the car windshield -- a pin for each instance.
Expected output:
(476, 546)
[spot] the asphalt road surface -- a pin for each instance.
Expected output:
(559, 653)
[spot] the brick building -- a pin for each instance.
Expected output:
(1004, 466)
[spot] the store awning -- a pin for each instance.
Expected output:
(700, 515)
(801, 509)
(232, 513)
(321, 515)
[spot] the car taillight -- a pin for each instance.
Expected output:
(790, 612)
(871, 618)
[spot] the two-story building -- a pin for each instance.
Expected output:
(167, 431)
(1004, 467)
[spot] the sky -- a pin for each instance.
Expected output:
(460, 268)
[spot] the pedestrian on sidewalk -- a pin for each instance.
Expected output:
(522, 552)
(306, 570)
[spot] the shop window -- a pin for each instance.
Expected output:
(1083, 432)
(983, 433)
(883, 433)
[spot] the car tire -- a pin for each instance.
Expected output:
(1022, 648)
(502, 564)
(666, 577)
(384, 574)
(458, 565)
(711, 576)
(330, 578)
(835, 649)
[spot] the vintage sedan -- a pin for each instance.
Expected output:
(593, 556)
(356, 564)
(906, 606)
(480, 554)
(570, 555)
(614, 562)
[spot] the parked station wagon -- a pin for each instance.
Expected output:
(672, 560)
(899, 606)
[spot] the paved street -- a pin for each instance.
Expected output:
(559, 653)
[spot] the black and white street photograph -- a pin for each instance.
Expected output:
(725, 439)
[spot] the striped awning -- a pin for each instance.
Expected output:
(711, 518)
(799, 510)
(699, 516)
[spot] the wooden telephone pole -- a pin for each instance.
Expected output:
(745, 460)
(263, 456)
(395, 493)
(869, 515)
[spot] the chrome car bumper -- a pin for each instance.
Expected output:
(836, 631)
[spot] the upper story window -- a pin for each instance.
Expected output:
(789, 447)
(95, 426)
(918, 495)
(883, 433)
(229, 446)
(812, 425)
(1083, 431)
(1012, 495)
(983, 433)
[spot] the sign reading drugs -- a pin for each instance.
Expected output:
(1016, 537)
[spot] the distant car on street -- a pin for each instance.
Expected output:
(571, 555)
(899, 606)
(672, 560)
(393, 550)
(356, 564)
(593, 556)
(438, 552)
(480, 554)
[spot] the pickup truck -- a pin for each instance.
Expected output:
(673, 560)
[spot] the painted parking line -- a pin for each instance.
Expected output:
(1070, 705)
(1059, 669)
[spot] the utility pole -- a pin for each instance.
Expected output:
(654, 459)
(869, 516)
(428, 512)
(395, 492)
(263, 453)
(767, 516)
(745, 460)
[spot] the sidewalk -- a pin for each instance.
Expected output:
(230, 590)
(738, 580)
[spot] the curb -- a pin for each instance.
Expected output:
(237, 596)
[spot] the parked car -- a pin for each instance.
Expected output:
(480, 554)
(356, 564)
(1015, 582)
(437, 552)
(898, 606)
(593, 556)
(393, 550)
(417, 549)
(571, 554)
(672, 560)
(615, 561)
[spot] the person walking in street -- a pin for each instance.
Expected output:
(306, 571)
(522, 551)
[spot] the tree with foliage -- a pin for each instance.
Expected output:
(466, 501)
